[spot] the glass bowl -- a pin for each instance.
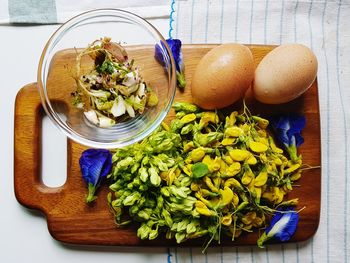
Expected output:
(57, 67)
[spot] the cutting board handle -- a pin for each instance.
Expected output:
(30, 191)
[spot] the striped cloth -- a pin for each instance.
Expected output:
(323, 26)
(58, 11)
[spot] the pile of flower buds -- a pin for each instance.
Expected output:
(204, 174)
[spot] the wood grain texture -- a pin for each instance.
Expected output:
(70, 220)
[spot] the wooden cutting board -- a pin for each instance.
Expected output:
(71, 220)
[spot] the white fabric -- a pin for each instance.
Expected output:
(324, 27)
(147, 9)
(29, 11)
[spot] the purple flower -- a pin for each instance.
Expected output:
(175, 47)
(282, 227)
(288, 130)
(95, 164)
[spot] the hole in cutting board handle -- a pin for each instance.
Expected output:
(53, 154)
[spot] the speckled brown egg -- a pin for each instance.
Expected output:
(284, 74)
(222, 76)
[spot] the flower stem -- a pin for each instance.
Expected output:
(91, 194)
(292, 151)
(262, 239)
(181, 81)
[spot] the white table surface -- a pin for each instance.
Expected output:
(24, 236)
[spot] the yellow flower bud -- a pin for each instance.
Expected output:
(188, 118)
(226, 220)
(257, 147)
(202, 209)
(228, 141)
(233, 131)
(261, 179)
(247, 177)
(239, 155)
(197, 154)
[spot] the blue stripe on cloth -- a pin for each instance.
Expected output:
(206, 23)
(311, 45)
(176, 260)
(312, 250)
(191, 37)
(283, 257)
(295, 40)
(297, 250)
(265, 21)
(267, 255)
(327, 137)
(34, 11)
(345, 135)
(310, 28)
(281, 21)
(221, 255)
(252, 254)
(169, 256)
(222, 19)
(177, 19)
(191, 255)
(236, 23)
(251, 22)
(295, 20)
(237, 256)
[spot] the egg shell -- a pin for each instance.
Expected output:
(284, 74)
(222, 76)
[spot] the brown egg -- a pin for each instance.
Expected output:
(284, 74)
(222, 76)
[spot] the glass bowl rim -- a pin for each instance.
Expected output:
(45, 101)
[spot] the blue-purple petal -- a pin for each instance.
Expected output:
(276, 217)
(175, 48)
(288, 128)
(95, 164)
(282, 227)
(299, 140)
(158, 54)
(289, 229)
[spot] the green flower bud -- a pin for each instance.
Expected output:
(167, 217)
(182, 225)
(133, 210)
(165, 191)
(145, 161)
(143, 187)
(156, 161)
(187, 129)
(179, 191)
(154, 177)
(180, 237)
(180, 114)
(135, 167)
(176, 125)
(144, 214)
(191, 228)
(143, 174)
(185, 106)
(153, 234)
(143, 231)
(131, 199)
(124, 164)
